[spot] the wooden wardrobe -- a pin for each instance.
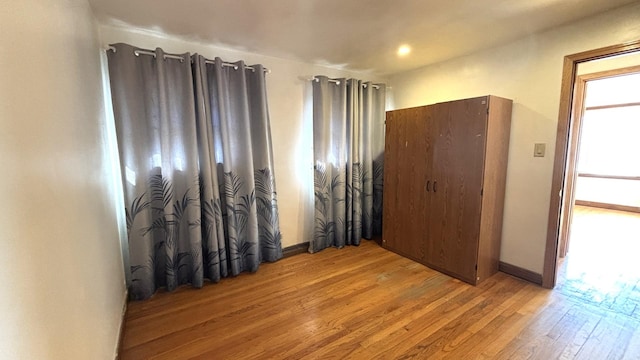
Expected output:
(444, 181)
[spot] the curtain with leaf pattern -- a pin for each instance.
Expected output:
(348, 133)
(197, 168)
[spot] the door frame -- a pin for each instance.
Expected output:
(563, 152)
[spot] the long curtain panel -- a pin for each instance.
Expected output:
(348, 133)
(197, 168)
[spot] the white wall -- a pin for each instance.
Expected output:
(615, 62)
(608, 191)
(62, 274)
(529, 72)
(288, 91)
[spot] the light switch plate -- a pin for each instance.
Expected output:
(538, 150)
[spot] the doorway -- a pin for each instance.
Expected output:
(603, 220)
(604, 170)
(566, 153)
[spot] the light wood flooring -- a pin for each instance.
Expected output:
(603, 264)
(367, 303)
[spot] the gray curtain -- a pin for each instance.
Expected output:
(348, 133)
(197, 168)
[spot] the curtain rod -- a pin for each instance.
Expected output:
(337, 82)
(181, 58)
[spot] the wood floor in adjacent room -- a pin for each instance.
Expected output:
(366, 303)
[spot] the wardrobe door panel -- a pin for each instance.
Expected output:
(404, 197)
(422, 186)
(458, 170)
(395, 134)
(435, 222)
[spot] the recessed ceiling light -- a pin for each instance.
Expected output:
(404, 50)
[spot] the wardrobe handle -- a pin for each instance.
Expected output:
(435, 188)
(428, 181)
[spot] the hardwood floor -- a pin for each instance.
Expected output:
(368, 303)
(602, 266)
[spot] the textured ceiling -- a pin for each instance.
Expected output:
(354, 34)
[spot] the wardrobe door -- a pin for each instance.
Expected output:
(458, 162)
(436, 248)
(404, 194)
(423, 188)
(395, 134)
